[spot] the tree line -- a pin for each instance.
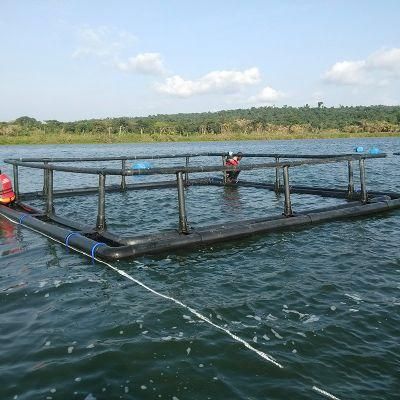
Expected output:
(260, 120)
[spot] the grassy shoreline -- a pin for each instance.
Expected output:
(155, 138)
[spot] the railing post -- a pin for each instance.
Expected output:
(350, 187)
(16, 181)
(183, 225)
(45, 177)
(277, 179)
(224, 172)
(187, 173)
(364, 195)
(49, 200)
(101, 213)
(123, 180)
(288, 204)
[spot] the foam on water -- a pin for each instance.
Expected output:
(312, 318)
(276, 334)
(353, 296)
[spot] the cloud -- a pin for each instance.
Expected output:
(347, 73)
(267, 95)
(144, 63)
(385, 60)
(103, 42)
(228, 81)
(107, 44)
(377, 69)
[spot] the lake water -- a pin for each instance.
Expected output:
(323, 301)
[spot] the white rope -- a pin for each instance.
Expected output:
(325, 393)
(260, 353)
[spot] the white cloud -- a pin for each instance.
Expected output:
(103, 42)
(385, 59)
(107, 44)
(267, 95)
(378, 68)
(144, 63)
(228, 81)
(346, 73)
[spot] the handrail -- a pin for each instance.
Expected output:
(182, 171)
(185, 169)
(169, 156)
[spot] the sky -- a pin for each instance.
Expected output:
(71, 60)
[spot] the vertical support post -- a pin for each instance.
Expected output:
(183, 225)
(350, 187)
(16, 181)
(224, 179)
(101, 213)
(277, 179)
(123, 177)
(45, 177)
(364, 195)
(49, 200)
(187, 173)
(288, 204)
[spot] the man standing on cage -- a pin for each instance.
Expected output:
(232, 176)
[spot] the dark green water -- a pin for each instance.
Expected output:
(324, 302)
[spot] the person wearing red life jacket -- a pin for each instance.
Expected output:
(232, 176)
(7, 195)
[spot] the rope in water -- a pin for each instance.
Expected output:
(262, 354)
(238, 339)
(325, 393)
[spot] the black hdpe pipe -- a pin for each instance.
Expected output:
(205, 235)
(184, 169)
(172, 156)
(110, 188)
(172, 234)
(76, 240)
(321, 191)
(242, 229)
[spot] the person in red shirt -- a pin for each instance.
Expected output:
(232, 176)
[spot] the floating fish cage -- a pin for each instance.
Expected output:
(101, 243)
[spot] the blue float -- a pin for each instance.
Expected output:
(359, 149)
(141, 165)
(374, 150)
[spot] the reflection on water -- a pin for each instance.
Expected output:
(7, 230)
(231, 199)
(8, 241)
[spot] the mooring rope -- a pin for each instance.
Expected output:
(262, 354)
(325, 393)
(238, 339)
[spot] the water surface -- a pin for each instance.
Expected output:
(323, 301)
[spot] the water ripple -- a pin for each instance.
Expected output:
(323, 301)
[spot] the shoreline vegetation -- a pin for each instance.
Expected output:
(263, 123)
(63, 138)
